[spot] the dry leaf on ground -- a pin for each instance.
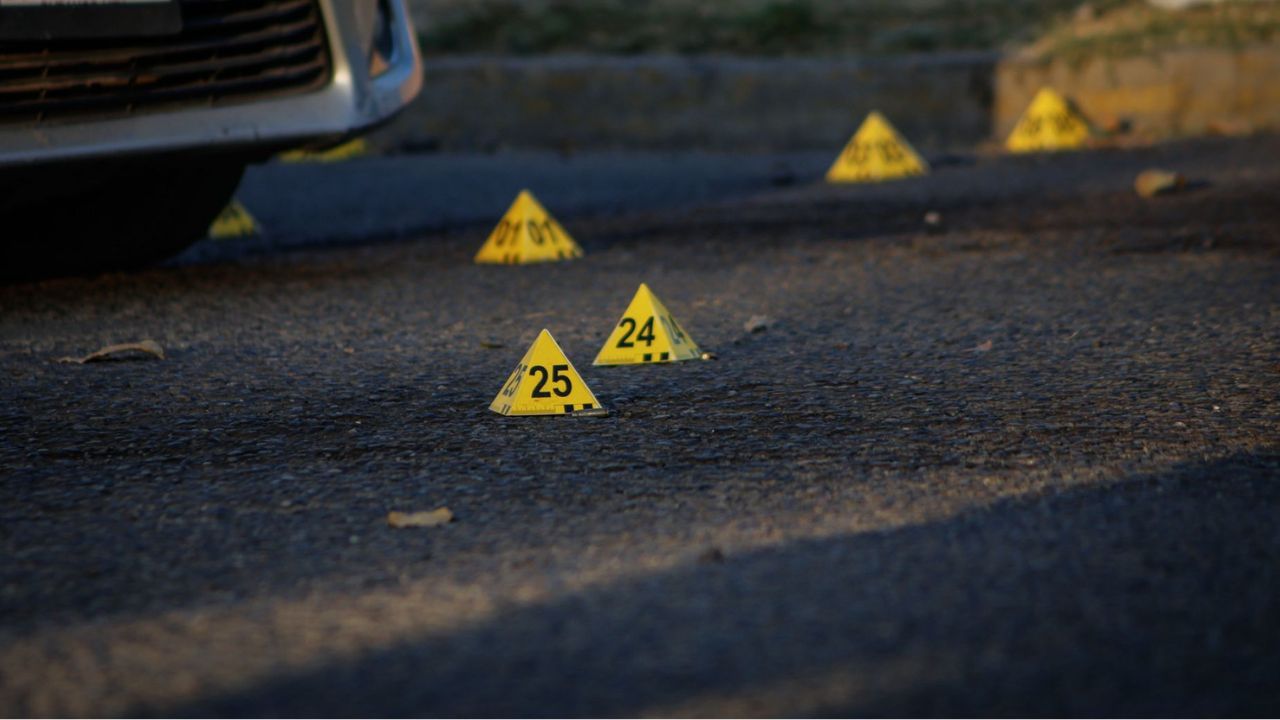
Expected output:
(148, 347)
(1150, 183)
(425, 518)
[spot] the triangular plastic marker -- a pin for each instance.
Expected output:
(647, 333)
(876, 152)
(527, 234)
(354, 148)
(1050, 123)
(233, 221)
(545, 383)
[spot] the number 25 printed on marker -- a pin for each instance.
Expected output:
(557, 377)
(512, 386)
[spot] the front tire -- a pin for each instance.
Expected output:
(89, 218)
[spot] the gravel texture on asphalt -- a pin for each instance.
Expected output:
(1021, 462)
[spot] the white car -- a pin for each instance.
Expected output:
(125, 125)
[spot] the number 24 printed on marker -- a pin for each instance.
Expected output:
(646, 335)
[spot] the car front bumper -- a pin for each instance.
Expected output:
(352, 100)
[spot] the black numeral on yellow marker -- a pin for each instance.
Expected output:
(625, 340)
(538, 392)
(550, 229)
(860, 153)
(543, 232)
(857, 153)
(510, 389)
(557, 376)
(535, 232)
(645, 335)
(890, 151)
(673, 330)
(500, 236)
(540, 233)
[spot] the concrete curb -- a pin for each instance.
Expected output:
(730, 104)
(702, 103)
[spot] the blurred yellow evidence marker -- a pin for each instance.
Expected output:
(647, 333)
(1050, 123)
(233, 221)
(545, 383)
(354, 148)
(527, 234)
(876, 152)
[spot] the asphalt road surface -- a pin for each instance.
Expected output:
(379, 198)
(1026, 462)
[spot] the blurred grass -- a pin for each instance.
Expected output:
(1065, 29)
(750, 27)
(1129, 28)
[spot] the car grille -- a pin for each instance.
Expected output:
(228, 51)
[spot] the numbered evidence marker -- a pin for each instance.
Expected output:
(647, 334)
(233, 221)
(876, 152)
(545, 383)
(1050, 123)
(527, 234)
(354, 148)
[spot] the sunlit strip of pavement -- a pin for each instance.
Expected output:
(200, 654)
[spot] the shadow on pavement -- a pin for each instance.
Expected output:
(1157, 595)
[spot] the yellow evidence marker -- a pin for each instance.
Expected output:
(1050, 123)
(545, 383)
(233, 221)
(876, 152)
(354, 148)
(527, 234)
(647, 333)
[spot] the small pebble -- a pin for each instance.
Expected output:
(757, 323)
